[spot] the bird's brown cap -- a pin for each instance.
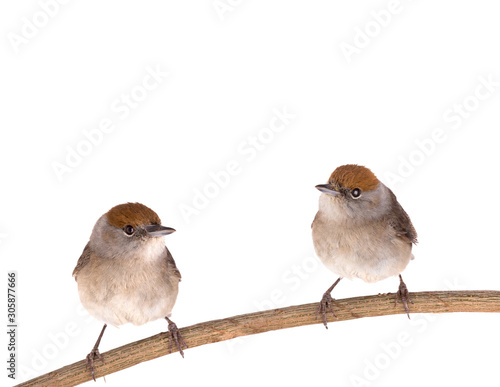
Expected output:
(133, 214)
(354, 176)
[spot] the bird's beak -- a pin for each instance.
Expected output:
(157, 230)
(328, 189)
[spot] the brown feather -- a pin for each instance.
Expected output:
(133, 214)
(400, 221)
(82, 261)
(354, 176)
(172, 266)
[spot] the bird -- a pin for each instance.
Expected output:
(361, 231)
(126, 274)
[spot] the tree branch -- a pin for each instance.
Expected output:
(248, 324)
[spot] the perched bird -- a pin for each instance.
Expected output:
(361, 231)
(126, 273)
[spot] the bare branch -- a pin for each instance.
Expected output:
(248, 324)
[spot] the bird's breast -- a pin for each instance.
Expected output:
(370, 251)
(127, 291)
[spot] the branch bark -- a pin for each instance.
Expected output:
(249, 324)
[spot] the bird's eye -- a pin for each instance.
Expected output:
(129, 230)
(356, 192)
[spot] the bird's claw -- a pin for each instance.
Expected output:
(404, 296)
(325, 305)
(90, 360)
(175, 336)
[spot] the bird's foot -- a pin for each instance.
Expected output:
(94, 354)
(325, 305)
(175, 336)
(403, 295)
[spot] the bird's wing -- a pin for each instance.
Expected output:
(171, 265)
(83, 260)
(400, 221)
(315, 216)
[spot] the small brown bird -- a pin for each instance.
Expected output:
(126, 273)
(361, 231)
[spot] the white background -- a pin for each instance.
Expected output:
(229, 70)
